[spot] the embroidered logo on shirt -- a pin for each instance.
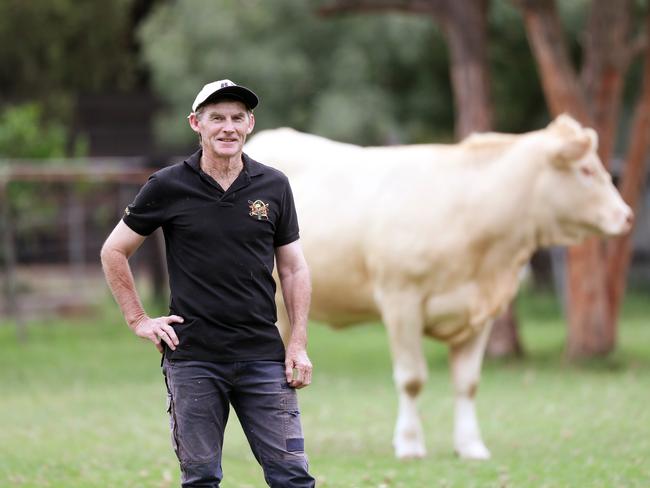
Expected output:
(259, 209)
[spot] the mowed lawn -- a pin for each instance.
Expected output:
(82, 404)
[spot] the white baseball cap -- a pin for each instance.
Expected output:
(229, 90)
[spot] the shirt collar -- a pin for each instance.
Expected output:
(252, 167)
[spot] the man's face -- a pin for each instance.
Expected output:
(223, 126)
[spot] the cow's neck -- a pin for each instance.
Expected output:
(505, 200)
(506, 229)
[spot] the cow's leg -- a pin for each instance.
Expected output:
(466, 362)
(404, 325)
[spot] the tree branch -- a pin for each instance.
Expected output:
(636, 47)
(606, 47)
(559, 79)
(410, 6)
(632, 184)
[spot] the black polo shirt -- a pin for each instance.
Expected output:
(220, 255)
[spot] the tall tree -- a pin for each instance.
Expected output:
(596, 270)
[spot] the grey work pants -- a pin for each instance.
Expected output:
(200, 394)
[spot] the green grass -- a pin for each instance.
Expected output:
(82, 404)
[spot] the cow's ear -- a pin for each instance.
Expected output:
(593, 136)
(574, 148)
(565, 124)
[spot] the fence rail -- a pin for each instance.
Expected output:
(71, 208)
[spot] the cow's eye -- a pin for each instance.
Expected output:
(587, 170)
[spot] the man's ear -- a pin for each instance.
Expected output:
(251, 123)
(194, 122)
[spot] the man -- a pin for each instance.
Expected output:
(225, 217)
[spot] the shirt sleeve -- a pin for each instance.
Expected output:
(147, 212)
(287, 229)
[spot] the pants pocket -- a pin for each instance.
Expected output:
(291, 421)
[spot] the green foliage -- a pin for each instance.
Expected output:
(518, 99)
(62, 45)
(24, 134)
(52, 50)
(83, 406)
(370, 79)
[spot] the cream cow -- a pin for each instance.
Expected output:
(431, 240)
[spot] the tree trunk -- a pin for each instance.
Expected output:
(465, 27)
(606, 56)
(504, 338)
(588, 311)
(549, 46)
(592, 319)
(632, 187)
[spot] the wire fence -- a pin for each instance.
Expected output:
(53, 221)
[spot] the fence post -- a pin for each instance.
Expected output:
(76, 236)
(9, 261)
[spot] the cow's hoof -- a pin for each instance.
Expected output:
(475, 450)
(407, 451)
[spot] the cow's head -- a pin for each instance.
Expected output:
(578, 191)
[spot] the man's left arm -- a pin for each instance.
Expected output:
(296, 290)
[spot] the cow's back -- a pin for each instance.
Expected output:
(358, 207)
(325, 187)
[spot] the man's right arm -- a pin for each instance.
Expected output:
(116, 251)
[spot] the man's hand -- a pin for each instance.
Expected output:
(159, 329)
(297, 366)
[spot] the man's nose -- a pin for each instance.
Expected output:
(229, 126)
